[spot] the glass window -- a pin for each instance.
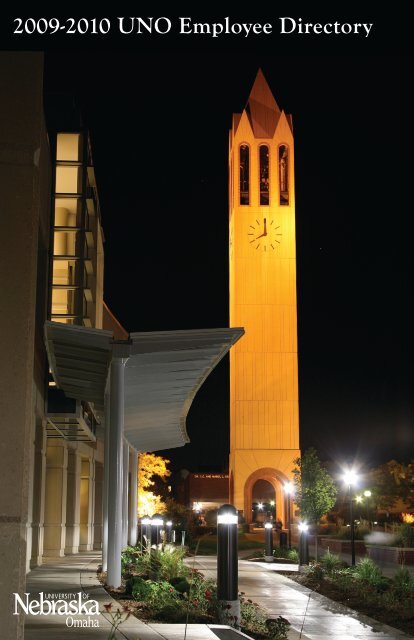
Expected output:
(264, 174)
(284, 174)
(244, 174)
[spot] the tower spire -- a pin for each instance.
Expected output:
(262, 109)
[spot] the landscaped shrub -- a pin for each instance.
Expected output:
(344, 533)
(403, 583)
(254, 620)
(369, 572)
(315, 572)
(331, 563)
(406, 537)
(289, 554)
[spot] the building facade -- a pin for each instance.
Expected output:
(264, 407)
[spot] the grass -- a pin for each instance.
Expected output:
(208, 544)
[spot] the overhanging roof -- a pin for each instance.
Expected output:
(163, 373)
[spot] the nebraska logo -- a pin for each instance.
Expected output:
(60, 607)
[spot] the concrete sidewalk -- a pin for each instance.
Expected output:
(311, 615)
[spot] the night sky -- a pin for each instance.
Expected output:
(159, 120)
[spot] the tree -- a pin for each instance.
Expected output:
(150, 469)
(315, 491)
(393, 481)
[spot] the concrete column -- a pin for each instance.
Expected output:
(133, 498)
(97, 520)
(115, 464)
(125, 488)
(73, 502)
(38, 509)
(55, 498)
(106, 485)
(87, 491)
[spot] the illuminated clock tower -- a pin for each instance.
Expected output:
(264, 407)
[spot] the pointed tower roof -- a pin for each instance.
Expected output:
(262, 108)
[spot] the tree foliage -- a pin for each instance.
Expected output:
(391, 482)
(315, 491)
(150, 469)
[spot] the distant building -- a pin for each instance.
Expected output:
(201, 491)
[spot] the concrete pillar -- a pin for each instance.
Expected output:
(97, 520)
(106, 484)
(87, 490)
(38, 497)
(55, 498)
(115, 464)
(125, 487)
(73, 502)
(133, 498)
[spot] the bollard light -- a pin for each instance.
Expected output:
(303, 545)
(227, 564)
(268, 542)
(146, 522)
(157, 522)
(168, 524)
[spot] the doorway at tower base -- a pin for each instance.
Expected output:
(249, 467)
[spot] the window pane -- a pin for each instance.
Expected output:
(264, 174)
(244, 174)
(284, 174)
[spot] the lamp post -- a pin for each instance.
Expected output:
(350, 479)
(268, 542)
(288, 487)
(227, 562)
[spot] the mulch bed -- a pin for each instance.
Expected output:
(399, 618)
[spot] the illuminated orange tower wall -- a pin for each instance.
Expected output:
(264, 412)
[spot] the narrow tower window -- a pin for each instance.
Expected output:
(284, 174)
(244, 174)
(264, 174)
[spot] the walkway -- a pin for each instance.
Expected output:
(312, 616)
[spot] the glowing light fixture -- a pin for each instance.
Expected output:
(272, 503)
(350, 477)
(367, 493)
(303, 527)
(227, 518)
(358, 499)
(157, 522)
(146, 521)
(197, 507)
(288, 487)
(268, 525)
(260, 505)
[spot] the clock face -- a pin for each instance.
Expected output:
(265, 235)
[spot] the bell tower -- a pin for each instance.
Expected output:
(264, 406)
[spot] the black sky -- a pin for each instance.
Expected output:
(159, 125)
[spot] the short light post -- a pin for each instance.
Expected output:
(157, 522)
(368, 494)
(146, 522)
(350, 479)
(288, 487)
(227, 564)
(268, 542)
(303, 545)
(168, 524)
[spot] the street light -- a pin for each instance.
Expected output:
(288, 487)
(350, 479)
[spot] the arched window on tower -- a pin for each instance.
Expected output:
(244, 174)
(283, 174)
(264, 174)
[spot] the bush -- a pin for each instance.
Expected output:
(254, 620)
(403, 583)
(369, 572)
(289, 554)
(344, 533)
(315, 571)
(331, 563)
(406, 537)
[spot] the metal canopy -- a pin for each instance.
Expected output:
(163, 373)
